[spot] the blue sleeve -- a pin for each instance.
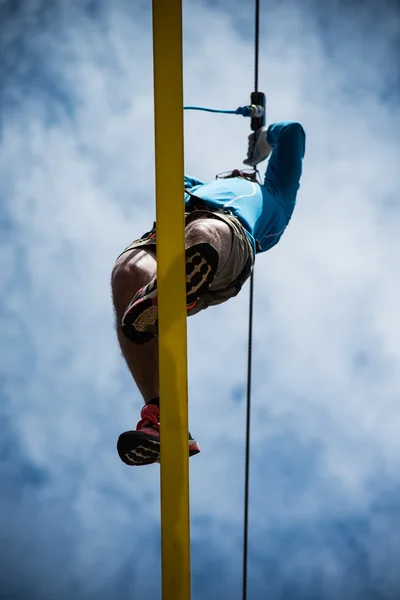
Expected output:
(191, 182)
(285, 164)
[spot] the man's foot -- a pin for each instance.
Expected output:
(259, 149)
(142, 447)
(140, 321)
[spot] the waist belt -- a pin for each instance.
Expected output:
(196, 203)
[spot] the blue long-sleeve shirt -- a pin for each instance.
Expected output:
(263, 210)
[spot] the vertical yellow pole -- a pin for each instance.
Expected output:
(168, 107)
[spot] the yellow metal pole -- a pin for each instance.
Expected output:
(168, 107)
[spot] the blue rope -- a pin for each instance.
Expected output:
(245, 111)
(213, 110)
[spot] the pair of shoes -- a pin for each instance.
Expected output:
(142, 447)
(140, 320)
(259, 149)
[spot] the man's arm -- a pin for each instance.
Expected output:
(285, 164)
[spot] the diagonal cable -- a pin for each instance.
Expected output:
(249, 354)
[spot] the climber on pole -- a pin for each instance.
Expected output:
(228, 222)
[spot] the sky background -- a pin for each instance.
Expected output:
(77, 185)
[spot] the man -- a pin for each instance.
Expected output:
(228, 221)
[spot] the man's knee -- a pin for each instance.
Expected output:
(129, 274)
(124, 286)
(215, 232)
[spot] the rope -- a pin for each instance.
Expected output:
(256, 43)
(247, 460)
(250, 348)
(251, 110)
(213, 110)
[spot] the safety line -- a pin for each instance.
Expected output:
(250, 348)
(256, 42)
(250, 110)
(212, 110)
(247, 460)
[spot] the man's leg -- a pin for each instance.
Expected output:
(131, 273)
(134, 271)
(207, 242)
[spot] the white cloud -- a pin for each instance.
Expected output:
(79, 189)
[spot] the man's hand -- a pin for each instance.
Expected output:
(259, 149)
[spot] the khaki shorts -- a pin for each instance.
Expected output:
(227, 282)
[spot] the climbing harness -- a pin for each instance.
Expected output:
(249, 174)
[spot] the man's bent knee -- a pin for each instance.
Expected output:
(215, 232)
(130, 273)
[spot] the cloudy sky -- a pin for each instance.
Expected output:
(77, 184)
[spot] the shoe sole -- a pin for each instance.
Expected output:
(136, 448)
(140, 321)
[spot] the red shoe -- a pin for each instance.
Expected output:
(140, 321)
(142, 447)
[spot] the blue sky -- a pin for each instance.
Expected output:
(77, 184)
